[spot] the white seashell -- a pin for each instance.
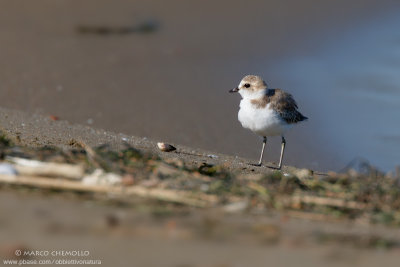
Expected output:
(165, 147)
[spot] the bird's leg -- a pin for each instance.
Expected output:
(262, 151)
(282, 152)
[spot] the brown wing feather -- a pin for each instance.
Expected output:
(285, 105)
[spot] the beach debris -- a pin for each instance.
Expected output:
(7, 169)
(129, 173)
(212, 156)
(34, 167)
(99, 177)
(165, 147)
(302, 173)
(168, 195)
(54, 118)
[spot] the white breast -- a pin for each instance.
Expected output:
(262, 121)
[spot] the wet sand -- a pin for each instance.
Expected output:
(170, 84)
(38, 131)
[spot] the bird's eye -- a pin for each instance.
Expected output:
(247, 85)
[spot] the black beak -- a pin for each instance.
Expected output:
(234, 90)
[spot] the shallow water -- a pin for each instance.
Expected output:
(338, 58)
(354, 83)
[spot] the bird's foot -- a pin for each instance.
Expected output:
(255, 164)
(275, 168)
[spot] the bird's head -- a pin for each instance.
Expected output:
(250, 86)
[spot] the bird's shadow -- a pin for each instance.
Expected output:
(260, 165)
(274, 168)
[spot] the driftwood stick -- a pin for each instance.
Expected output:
(200, 200)
(167, 195)
(51, 169)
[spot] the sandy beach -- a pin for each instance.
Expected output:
(118, 234)
(139, 83)
(140, 72)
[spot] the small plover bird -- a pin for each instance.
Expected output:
(266, 112)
